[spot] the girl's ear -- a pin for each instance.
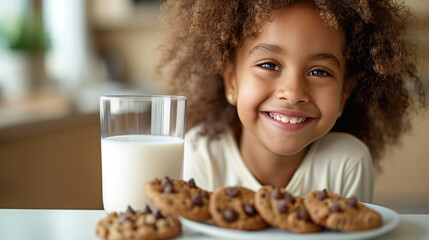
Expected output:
(230, 82)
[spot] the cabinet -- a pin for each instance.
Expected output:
(52, 164)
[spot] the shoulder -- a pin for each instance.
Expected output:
(204, 157)
(344, 164)
(343, 139)
(341, 144)
(196, 158)
(193, 133)
(196, 144)
(340, 150)
(213, 150)
(195, 140)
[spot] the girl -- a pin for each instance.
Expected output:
(302, 95)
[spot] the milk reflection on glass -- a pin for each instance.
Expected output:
(142, 138)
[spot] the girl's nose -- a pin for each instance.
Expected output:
(292, 89)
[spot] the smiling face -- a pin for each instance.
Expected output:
(287, 82)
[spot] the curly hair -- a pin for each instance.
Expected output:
(205, 34)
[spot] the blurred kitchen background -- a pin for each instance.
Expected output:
(58, 56)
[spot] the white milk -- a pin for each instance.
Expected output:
(129, 161)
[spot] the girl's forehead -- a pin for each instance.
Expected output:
(306, 11)
(324, 16)
(301, 22)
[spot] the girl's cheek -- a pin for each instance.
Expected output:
(331, 105)
(253, 86)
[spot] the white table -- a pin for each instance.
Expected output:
(20, 224)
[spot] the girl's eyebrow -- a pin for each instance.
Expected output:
(327, 56)
(263, 47)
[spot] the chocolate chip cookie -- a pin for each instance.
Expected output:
(338, 213)
(133, 224)
(233, 207)
(179, 197)
(283, 210)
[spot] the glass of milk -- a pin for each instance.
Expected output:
(142, 137)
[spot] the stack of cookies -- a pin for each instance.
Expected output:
(132, 224)
(239, 208)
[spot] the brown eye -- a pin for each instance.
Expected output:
(270, 66)
(319, 73)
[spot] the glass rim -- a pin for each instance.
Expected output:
(142, 97)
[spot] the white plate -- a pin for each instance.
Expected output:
(390, 221)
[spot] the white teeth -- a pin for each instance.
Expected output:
(285, 119)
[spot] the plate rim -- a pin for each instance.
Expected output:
(391, 220)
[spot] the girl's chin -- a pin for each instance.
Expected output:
(287, 151)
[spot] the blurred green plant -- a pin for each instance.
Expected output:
(25, 33)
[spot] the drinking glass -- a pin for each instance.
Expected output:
(142, 137)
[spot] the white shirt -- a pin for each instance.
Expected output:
(339, 162)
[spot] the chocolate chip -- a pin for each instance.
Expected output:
(169, 188)
(230, 215)
(124, 218)
(289, 198)
(197, 200)
(130, 210)
(303, 214)
(335, 208)
(205, 194)
(165, 180)
(158, 215)
(282, 206)
(232, 191)
(249, 209)
(276, 193)
(322, 194)
(191, 183)
(352, 202)
(146, 210)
